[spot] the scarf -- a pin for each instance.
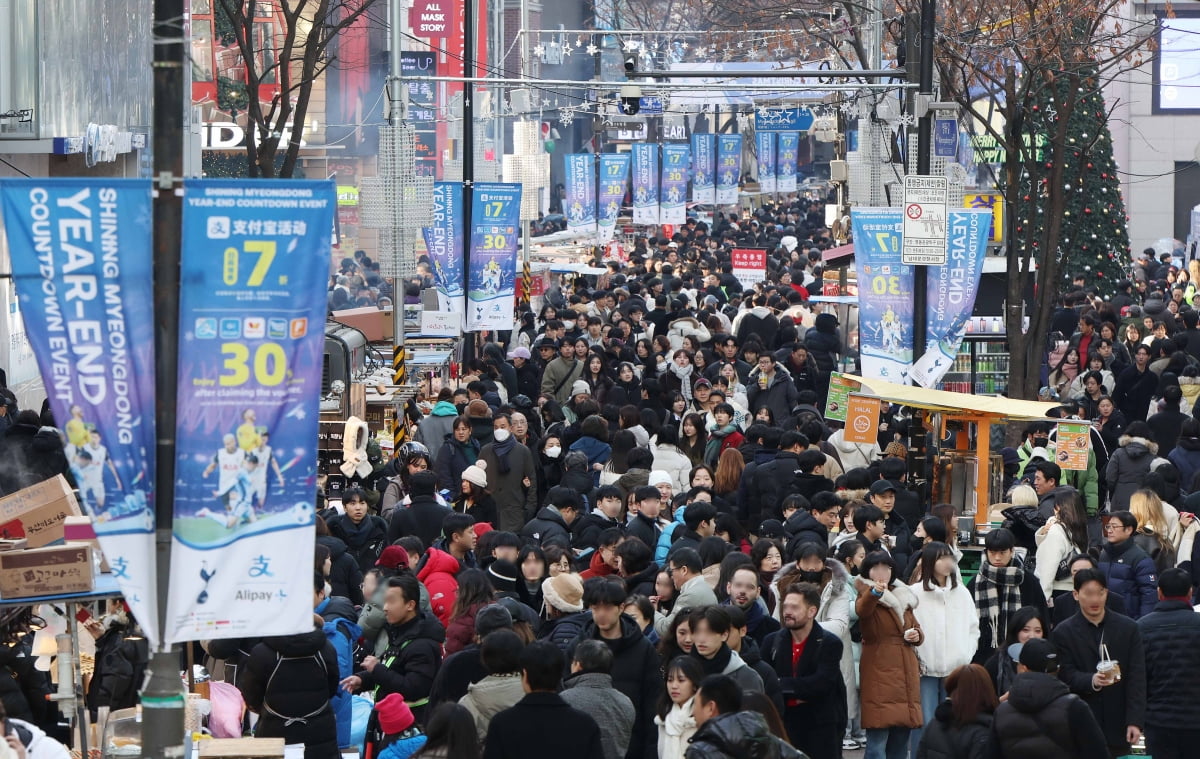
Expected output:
(679, 719)
(717, 664)
(998, 597)
(502, 450)
(684, 373)
(716, 436)
(469, 449)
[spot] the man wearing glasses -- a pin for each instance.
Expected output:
(1128, 568)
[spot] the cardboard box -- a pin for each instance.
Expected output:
(37, 513)
(46, 571)
(80, 530)
(374, 323)
(242, 748)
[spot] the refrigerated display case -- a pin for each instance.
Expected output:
(981, 366)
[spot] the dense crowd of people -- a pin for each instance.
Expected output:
(629, 531)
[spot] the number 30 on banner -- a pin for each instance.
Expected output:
(269, 364)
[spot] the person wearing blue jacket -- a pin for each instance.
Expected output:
(1129, 570)
(342, 630)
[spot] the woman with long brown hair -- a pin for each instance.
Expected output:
(962, 723)
(728, 475)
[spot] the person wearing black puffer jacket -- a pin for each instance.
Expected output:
(1042, 719)
(23, 689)
(823, 343)
(962, 724)
(345, 576)
(31, 453)
(1171, 640)
(290, 681)
(423, 516)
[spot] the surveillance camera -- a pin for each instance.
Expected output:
(630, 62)
(631, 97)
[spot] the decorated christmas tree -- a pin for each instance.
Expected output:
(1095, 235)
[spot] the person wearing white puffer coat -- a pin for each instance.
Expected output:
(947, 616)
(854, 455)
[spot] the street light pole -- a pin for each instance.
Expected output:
(163, 697)
(468, 162)
(924, 142)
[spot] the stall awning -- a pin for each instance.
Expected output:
(961, 404)
(835, 254)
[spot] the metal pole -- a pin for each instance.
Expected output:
(398, 103)
(924, 140)
(163, 696)
(526, 237)
(468, 155)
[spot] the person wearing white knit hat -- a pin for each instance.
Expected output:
(563, 594)
(661, 480)
(475, 474)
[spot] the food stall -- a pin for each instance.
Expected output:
(968, 474)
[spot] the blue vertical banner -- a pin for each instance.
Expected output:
(444, 242)
(766, 161)
(81, 261)
(885, 287)
(645, 183)
(704, 169)
(674, 184)
(951, 292)
(580, 204)
(254, 275)
(614, 177)
(729, 168)
(788, 152)
(495, 228)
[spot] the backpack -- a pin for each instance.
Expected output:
(321, 671)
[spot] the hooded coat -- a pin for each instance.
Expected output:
(950, 624)
(854, 455)
(823, 343)
(490, 696)
(889, 670)
(439, 574)
(435, 428)
(290, 681)
(1186, 458)
(1042, 719)
(1127, 468)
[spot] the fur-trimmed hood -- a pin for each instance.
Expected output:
(845, 496)
(1137, 447)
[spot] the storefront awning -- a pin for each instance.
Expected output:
(961, 404)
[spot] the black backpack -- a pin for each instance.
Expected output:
(319, 672)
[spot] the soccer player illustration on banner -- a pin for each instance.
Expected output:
(266, 461)
(247, 431)
(87, 463)
(238, 498)
(491, 277)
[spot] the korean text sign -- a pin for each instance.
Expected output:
(252, 312)
(81, 260)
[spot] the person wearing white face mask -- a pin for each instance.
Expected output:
(550, 464)
(512, 476)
